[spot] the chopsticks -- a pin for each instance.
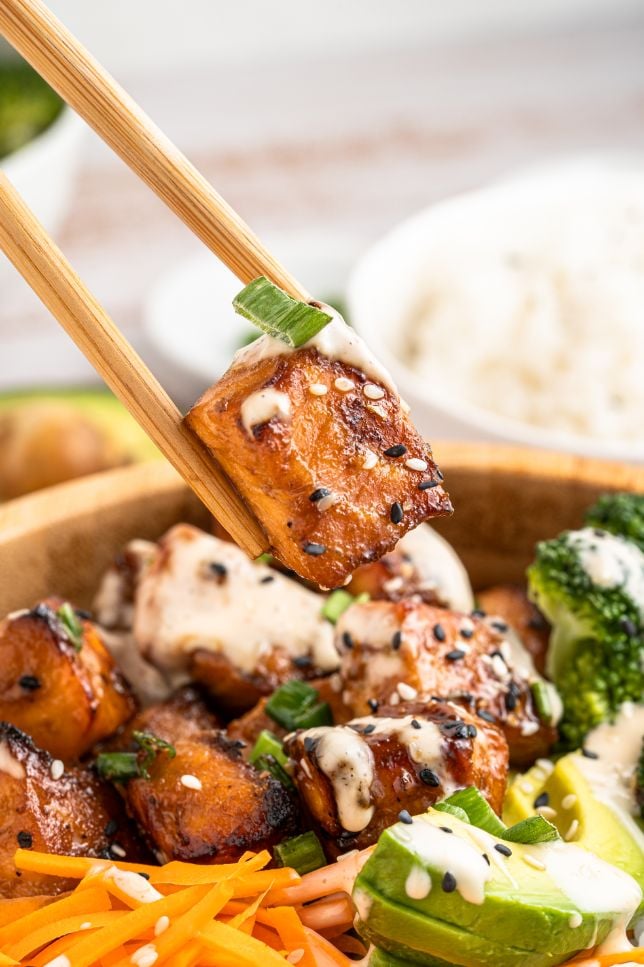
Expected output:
(46, 270)
(65, 64)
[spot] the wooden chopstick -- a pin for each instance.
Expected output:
(63, 61)
(45, 268)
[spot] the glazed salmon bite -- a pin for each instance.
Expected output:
(320, 445)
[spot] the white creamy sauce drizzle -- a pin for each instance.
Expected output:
(264, 405)
(335, 341)
(611, 777)
(438, 566)
(519, 662)
(418, 884)
(10, 765)
(593, 885)
(111, 604)
(448, 854)
(611, 562)
(181, 606)
(424, 744)
(346, 760)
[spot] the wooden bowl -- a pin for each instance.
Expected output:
(60, 541)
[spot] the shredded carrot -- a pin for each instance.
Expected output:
(60, 928)
(336, 878)
(326, 955)
(70, 867)
(92, 901)
(193, 874)
(7, 961)
(223, 939)
(11, 910)
(633, 956)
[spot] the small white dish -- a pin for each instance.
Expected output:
(188, 317)
(387, 285)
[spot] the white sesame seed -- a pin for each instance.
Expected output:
(378, 410)
(56, 769)
(394, 698)
(546, 765)
(575, 920)
(191, 782)
(373, 392)
(526, 787)
(161, 925)
(406, 692)
(533, 862)
(547, 812)
(344, 385)
(295, 956)
(370, 460)
(569, 801)
(85, 926)
(117, 850)
(415, 463)
(145, 956)
(393, 584)
(318, 389)
(60, 961)
(327, 501)
(572, 830)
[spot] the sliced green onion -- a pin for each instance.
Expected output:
(264, 559)
(274, 312)
(530, 831)
(541, 697)
(123, 766)
(338, 602)
(268, 744)
(478, 810)
(268, 763)
(303, 853)
(70, 622)
(446, 807)
(295, 705)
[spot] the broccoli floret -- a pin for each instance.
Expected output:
(590, 586)
(620, 513)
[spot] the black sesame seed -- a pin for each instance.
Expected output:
(541, 800)
(302, 661)
(503, 849)
(373, 704)
(309, 743)
(427, 484)
(466, 632)
(628, 627)
(439, 474)
(25, 840)
(429, 778)
(146, 876)
(499, 625)
(497, 654)
(267, 579)
(405, 817)
(219, 569)
(396, 640)
(396, 513)
(315, 550)
(472, 731)
(512, 696)
(589, 754)
(29, 682)
(439, 633)
(455, 655)
(446, 829)
(486, 858)
(319, 494)
(83, 615)
(478, 613)
(449, 882)
(486, 716)
(415, 724)
(368, 729)
(111, 828)
(347, 640)
(396, 451)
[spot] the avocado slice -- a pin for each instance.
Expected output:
(591, 801)
(427, 894)
(50, 436)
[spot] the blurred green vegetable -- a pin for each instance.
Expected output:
(27, 105)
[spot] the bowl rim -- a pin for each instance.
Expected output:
(390, 249)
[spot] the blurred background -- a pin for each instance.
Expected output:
(514, 313)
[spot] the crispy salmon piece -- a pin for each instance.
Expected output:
(206, 804)
(511, 603)
(73, 813)
(401, 651)
(354, 780)
(321, 450)
(65, 693)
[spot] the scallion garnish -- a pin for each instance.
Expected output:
(530, 831)
(295, 705)
(274, 312)
(541, 697)
(73, 627)
(446, 807)
(303, 853)
(478, 810)
(338, 602)
(268, 744)
(123, 766)
(268, 763)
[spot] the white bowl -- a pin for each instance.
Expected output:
(387, 284)
(43, 171)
